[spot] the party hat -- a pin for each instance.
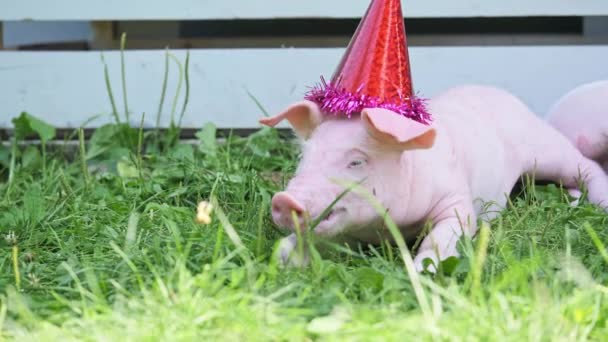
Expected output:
(375, 70)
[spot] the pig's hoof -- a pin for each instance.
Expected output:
(289, 256)
(420, 261)
(576, 194)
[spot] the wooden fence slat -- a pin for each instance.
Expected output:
(341, 41)
(248, 9)
(67, 88)
(103, 34)
(595, 27)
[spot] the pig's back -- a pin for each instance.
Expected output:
(494, 108)
(491, 134)
(475, 110)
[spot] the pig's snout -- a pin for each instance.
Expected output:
(284, 206)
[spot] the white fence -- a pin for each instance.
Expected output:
(67, 88)
(245, 9)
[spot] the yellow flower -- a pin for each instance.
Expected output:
(203, 213)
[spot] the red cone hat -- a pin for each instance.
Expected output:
(375, 70)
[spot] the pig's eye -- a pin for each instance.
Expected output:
(356, 163)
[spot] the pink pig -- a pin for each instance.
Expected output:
(582, 116)
(460, 168)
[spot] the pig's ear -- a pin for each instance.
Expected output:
(392, 129)
(303, 116)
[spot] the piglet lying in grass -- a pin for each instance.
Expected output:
(582, 116)
(481, 141)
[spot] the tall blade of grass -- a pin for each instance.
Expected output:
(230, 231)
(258, 104)
(84, 294)
(260, 235)
(106, 74)
(43, 145)
(175, 234)
(3, 310)
(480, 258)
(13, 165)
(597, 242)
(140, 147)
(93, 284)
(123, 41)
(162, 287)
(219, 241)
(83, 159)
(405, 254)
(328, 210)
(16, 273)
(74, 132)
(19, 306)
(187, 96)
(179, 87)
(131, 234)
(299, 238)
(234, 237)
(163, 91)
(131, 265)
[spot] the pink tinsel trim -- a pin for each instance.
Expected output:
(335, 100)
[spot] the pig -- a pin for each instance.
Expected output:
(450, 173)
(582, 116)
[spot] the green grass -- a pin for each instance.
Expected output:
(116, 255)
(100, 244)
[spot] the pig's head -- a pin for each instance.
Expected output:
(366, 148)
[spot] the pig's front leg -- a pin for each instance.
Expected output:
(449, 225)
(289, 253)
